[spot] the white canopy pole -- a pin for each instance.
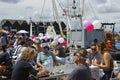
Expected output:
(31, 27)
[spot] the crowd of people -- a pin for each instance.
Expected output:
(27, 53)
(31, 56)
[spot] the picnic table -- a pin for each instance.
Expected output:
(68, 68)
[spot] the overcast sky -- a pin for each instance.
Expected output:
(105, 10)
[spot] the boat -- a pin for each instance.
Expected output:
(74, 16)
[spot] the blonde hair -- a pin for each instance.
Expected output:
(54, 43)
(27, 53)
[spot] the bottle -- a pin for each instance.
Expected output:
(50, 63)
(71, 58)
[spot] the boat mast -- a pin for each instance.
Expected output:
(77, 16)
(55, 13)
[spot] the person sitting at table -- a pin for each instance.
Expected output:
(36, 44)
(106, 62)
(94, 56)
(43, 56)
(82, 71)
(59, 52)
(23, 68)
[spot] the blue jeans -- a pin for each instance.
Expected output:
(108, 75)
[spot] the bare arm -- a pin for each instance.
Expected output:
(95, 61)
(107, 58)
(42, 72)
(57, 52)
(40, 65)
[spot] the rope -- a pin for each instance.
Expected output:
(53, 10)
(57, 17)
(42, 8)
(60, 4)
(83, 8)
(92, 10)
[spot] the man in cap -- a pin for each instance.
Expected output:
(43, 56)
(82, 71)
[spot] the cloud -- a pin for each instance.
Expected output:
(109, 6)
(29, 8)
(10, 1)
(100, 1)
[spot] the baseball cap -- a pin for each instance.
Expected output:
(82, 52)
(44, 45)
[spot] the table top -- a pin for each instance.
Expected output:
(68, 68)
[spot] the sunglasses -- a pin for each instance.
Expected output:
(93, 49)
(76, 54)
